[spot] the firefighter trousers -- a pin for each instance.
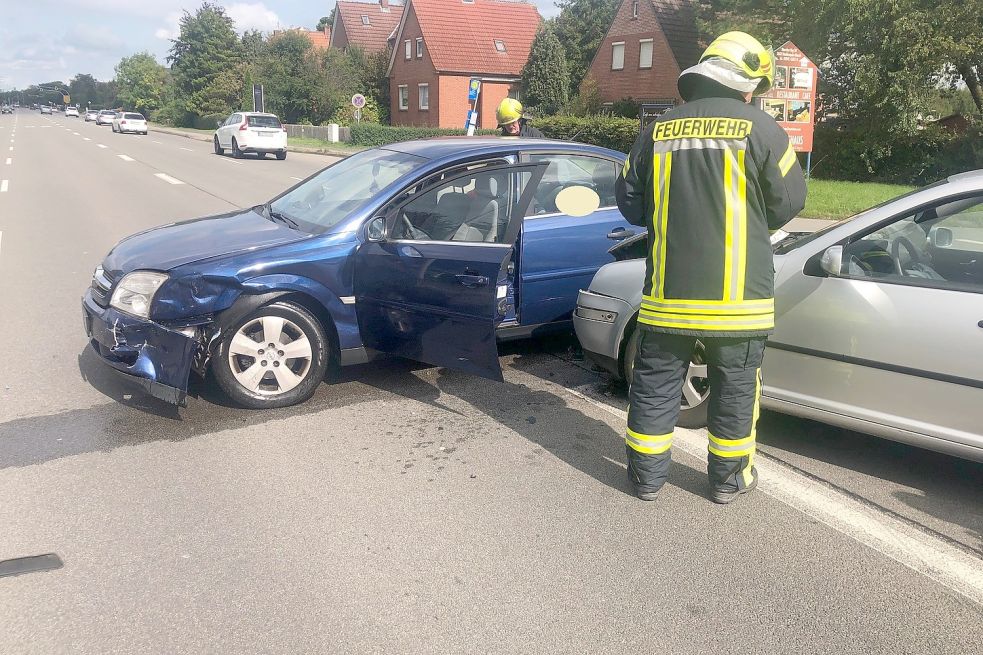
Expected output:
(734, 372)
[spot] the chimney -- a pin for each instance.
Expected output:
(327, 32)
(384, 4)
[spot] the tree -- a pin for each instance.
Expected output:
(289, 73)
(580, 27)
(141, 83)
(207, 62)
(545, 79)
(326, 21)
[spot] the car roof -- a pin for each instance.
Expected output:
(968, 176)
(441, 147)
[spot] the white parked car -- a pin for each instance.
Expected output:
(91, 115)
(105, 117)
(71, 112)
(244, 132)
(127, 121)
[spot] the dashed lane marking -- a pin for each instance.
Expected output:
(10, 160)
(299, 179)
(85, 138)
(100, 145)
(188, 149)
(125, 157)
(167, 178)
(3, 186)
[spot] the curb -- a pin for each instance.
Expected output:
(329, 152)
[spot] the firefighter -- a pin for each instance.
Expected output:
(709, 179)
(512, 122)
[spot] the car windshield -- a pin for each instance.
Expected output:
(264, 121)
(322, 202)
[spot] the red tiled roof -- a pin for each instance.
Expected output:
(460, 36)
(371, 37)
(319, 39)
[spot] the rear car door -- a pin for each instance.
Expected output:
(572, 222)
(895, 338)
(227, 128)
(426, 280)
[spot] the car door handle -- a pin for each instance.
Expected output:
(619, 233)
(472, 281)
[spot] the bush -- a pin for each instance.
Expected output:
(921, 158)
(208, 121)
(606, 131)
(372, 135)
(626, 108)
(345, 115)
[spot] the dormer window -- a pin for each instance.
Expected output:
(500, 45)
(365, 20)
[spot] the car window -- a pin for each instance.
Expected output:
(573, 184)
(474, 207)
(324, 200)
(136, 117)
(264, 121)
(941, 244)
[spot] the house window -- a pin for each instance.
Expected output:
(408, 49)
(404, 97)
(419, 47)
(424, 96)
(645, 53)
(618, 56)
(365, 19)
(634, 9)
(500, 45)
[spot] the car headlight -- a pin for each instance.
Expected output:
(135, 292)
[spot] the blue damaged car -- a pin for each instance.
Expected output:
(430, 250)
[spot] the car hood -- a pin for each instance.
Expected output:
(169, 246)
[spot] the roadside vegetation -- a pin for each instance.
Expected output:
(836, 200)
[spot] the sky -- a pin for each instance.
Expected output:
(46, 40)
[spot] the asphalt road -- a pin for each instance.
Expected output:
(411, 509)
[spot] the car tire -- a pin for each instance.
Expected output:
(219, 150)
(695, 416)
(281, 155)
(231, 367)
(236, 153)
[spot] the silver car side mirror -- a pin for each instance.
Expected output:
(375, 231)
(832, 260)
(940, 237)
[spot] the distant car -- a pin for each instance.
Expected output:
(251, 132)
(105, 117)
(71, 112)
(127, 121)
(45, 109)
(877, 321)
(91, 115)
(6, 109)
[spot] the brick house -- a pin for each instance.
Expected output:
(321, 40)
(367, 25)
(649, 43)
(441, 44)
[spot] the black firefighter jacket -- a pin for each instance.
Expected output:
(710, 180)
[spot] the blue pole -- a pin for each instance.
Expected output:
(808, 164)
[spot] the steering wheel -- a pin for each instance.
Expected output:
(896, 253)
(411, 231)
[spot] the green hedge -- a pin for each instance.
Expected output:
(606, 131)
(372, 135)
(208, 121)
(918, 159)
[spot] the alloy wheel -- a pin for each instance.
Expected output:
(270, 355)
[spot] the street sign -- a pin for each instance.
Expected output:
(358, 101)
(792, 99)
(473, 89)
(259, 98)
(471, 122)
(649, 111)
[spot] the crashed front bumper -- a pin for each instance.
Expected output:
(157, 358)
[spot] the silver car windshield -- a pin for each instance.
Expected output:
(326, 199)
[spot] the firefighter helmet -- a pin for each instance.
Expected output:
(509, 111)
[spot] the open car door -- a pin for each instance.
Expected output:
(428, 279)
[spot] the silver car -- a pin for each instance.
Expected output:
(879, 322)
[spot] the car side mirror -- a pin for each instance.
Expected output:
(375, 231)
(832, 261)
(940, 237)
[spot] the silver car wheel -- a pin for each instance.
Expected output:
(270, 355)
(696, 388)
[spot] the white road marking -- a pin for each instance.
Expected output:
(188, 149)
(923, 553)
(85, 138)
(3, 186)
(152, 141)
(100, 145)
(10, 160)
(167, 178)
(76, 134)
(231, 161)
(299, 179)
(11, 148)
(125, 157)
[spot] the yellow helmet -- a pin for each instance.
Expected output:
(746, 52)
(509, 111)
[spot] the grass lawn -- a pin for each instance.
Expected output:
(307, 142)
(838, 200)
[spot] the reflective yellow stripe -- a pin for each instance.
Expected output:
(732, 443)
(664, 226)
(626, 168)
(735, 309)
(683, 302)
(787, 161)
(708, 325)
(746, 473)
(658, 236)
(728, 224)
(733, 454)
(741, 220)
(648, 444)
